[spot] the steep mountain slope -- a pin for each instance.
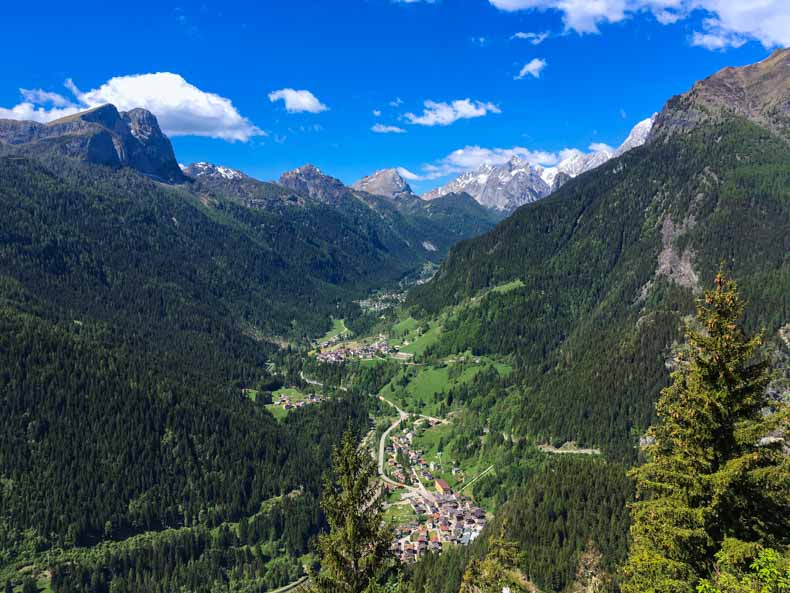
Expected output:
(132, 316)
(608, 267)
(507, 186)
(101, 136)
(386, 182)
(759, 92)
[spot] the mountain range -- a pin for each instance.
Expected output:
(507, 186)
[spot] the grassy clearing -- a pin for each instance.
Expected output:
(399, 514)
(510, 286)
(279, 412)
(404, 327)
(421, 389)
(422, 342)
(338, 329)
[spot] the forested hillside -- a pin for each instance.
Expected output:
(608, 267)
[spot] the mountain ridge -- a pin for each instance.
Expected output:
(516, 182)
(101, 135)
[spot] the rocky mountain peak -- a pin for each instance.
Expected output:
(759, 92)
(101, 135)
(308, 180)
(386, 182)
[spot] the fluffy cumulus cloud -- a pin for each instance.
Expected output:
(726, 23)
(298, 101)
(383, 129)
(443, 114)
(533, 38)
(532, 68)
(181, 108)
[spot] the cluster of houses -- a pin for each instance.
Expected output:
(382, 302)
(443, 517)
(447, 518)
(288, 403)
(401, 445)
(380, 347)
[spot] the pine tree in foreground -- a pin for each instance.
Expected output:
(355, 552)
(716, 487)
(498, 572)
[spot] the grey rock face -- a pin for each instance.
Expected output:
(759, 92)
(310, 181)
(101, 136)
(386, 182)
(501, 187)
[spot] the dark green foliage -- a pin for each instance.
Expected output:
(562, 506)
(593, 324)
(713, 488)
(160, 452)
(199, 559)
(355, 550)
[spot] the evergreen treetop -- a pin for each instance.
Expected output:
(714, 482)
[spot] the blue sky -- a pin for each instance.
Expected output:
(590, 72)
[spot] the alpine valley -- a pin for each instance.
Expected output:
(214, 383)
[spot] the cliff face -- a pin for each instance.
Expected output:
(102, 136)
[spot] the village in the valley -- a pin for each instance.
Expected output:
(427, 513)
(344, 352)
(439, 515)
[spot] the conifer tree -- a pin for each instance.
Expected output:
(715, 481)
(354, 553)
(497, 572)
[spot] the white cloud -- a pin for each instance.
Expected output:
(533, 38)
(533, 68)
(408, 175)
(715, 37)
(443, 114)
(181, 108)
(623, 114)
(396, 102)
(42, 97)
(729, 23)
(298, 101)
(28, 111)
(376, 112)
(382, 129)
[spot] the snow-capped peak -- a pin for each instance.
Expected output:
(204, 169)
(638, 135)
(509, 185)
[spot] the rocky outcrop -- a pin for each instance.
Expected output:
(310, 181)
(758, 92)
(386, 182)
(102, 136)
